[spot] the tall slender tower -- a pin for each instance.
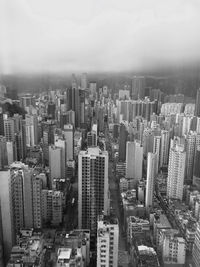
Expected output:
(123, 134)
(156, 149)
(190, 145)
(31, 130)
(55, 163)
(84, 81)
(6, 212)
(9, 130)
(176, 171)
(151, 173)
(134, 160)
(164, 148)
(138, 87)
(93, 195)
(69, 137)
(196, 169)
(197, 106)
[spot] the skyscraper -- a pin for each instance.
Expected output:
(93, 195)
(51, 110)
(62, 143)
(3, 153)
(190, 146)
(196, 247)
(123, 134)
(6, 212)
(37, 185)
(151, 173)
(69, 137)
(198, 125)
(31, 130)
(134, 160)
(197, 106)
(148, 137)
(9, 129)
(138, 87)
(1, 122)
(84, 81)
(27, 100)
(156, 149)
(164, 149)
(48, 129)
(82, 106)
(55, 163)
(196, 168)
(176, 171)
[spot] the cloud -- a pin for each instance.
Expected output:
(92, 35)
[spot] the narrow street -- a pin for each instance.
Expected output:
(115, 204)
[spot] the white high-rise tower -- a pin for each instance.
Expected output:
(176, 171)
(151, 173)
(93, 195)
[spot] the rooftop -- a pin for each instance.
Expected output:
(64, 253)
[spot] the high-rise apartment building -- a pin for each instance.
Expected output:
(197, 106)
(48, 129)
(51, 110)
(198, 125)
(10, 152)
(187, 121)
(3, 153)
(31, 126)
(176, 171)
(69, 137)
(9, 130)
(84, 81)
(6, 210)
(196, 247)
(148, 137)
(82, 106)
(164, 148)
(57, 200)
(62, 143)
(138, 87)
(55, 163)
(134, 160)
(93, 89)
(91, 138)
(151, 173)
(190, 146)
(1, 122)
(93, 194)
(37, 185)
(196, 168)
(107, 241)
(52, 206)
(156, 150)
(123, 135)
(47, 205)
(27, 100)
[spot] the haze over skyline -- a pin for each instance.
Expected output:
(49, 35)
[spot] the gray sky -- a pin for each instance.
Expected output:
(97, 35)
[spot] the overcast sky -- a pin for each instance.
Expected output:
(97, 35)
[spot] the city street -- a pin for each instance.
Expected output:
(115, 208)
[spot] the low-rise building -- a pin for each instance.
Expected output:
(136, 226)
(173, 250)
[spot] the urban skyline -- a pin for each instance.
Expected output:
(99, 133)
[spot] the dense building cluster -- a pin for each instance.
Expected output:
(91, 177)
